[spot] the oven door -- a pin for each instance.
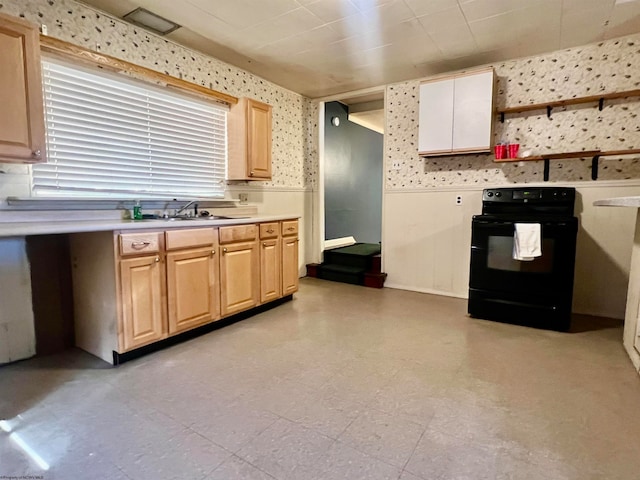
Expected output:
(493, 268)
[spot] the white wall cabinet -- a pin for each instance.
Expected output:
(456, 114)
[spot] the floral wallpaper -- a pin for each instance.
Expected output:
(605, 67)
(294, 121)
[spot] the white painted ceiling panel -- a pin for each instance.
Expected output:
(292, 23)
(323, 47)
(331, 10)
(242, 14)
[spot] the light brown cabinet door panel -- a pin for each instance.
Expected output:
(22, 136)
(239, 277)
(270, 266)
(142, 302)
(191, 289)
(259, 139)
(289, 265)
(249, 140)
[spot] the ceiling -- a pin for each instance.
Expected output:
(324, 47)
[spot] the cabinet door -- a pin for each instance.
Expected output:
(258, 139)
(141, 298)
(239, 277)
(435, 129)
(270, 266)
(289, 265)
(22, 137)
(192, 295)
(473, 112)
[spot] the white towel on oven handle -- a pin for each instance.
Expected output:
(527, 242)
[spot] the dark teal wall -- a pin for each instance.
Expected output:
(352, 178)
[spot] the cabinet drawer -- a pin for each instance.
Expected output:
(269, 230)
(238, 233)
(193, 237)
(139, 243)
(290, 227)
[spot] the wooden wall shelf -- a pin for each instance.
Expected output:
(594, 154)
(550, 156)
(566, 102)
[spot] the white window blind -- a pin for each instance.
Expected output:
(108, 135)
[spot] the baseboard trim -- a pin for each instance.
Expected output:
(431, 291)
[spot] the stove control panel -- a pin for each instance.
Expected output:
(529, 195)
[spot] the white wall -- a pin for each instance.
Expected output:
(427, 244)
(17, 335)
(285, 201)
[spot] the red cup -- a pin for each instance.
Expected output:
(513, 150)
(500, 151)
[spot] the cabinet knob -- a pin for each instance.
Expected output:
(36, 154)
(213, 252)
(264, 244)
(157, 259)
(251, 173)
(140, 244)
(224, 250)
(271, 230)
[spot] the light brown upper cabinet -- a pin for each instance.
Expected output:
(456, 114)
(22, 134)
(249, 141)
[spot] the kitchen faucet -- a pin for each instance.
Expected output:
(183, 208)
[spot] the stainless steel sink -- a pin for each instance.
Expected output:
(181, 218)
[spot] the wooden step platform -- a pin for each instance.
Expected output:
(358, 264)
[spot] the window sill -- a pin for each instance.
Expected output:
(33, 203)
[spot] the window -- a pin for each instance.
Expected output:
(108, 135)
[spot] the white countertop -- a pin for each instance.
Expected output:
(21, 229)
(618, 202)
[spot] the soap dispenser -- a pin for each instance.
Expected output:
(137, 211)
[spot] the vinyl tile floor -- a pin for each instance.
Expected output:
(342, 382)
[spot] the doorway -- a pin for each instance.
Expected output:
(352, 170)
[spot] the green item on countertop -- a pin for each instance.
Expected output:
(137, 211)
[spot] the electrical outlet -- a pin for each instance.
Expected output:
(244, 197)
(458, 200)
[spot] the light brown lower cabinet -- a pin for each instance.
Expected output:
(239, 277)
(270, 266)
(192, 288)
(141, 301)
(289, 257)
(134, 288)
(270, 262)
